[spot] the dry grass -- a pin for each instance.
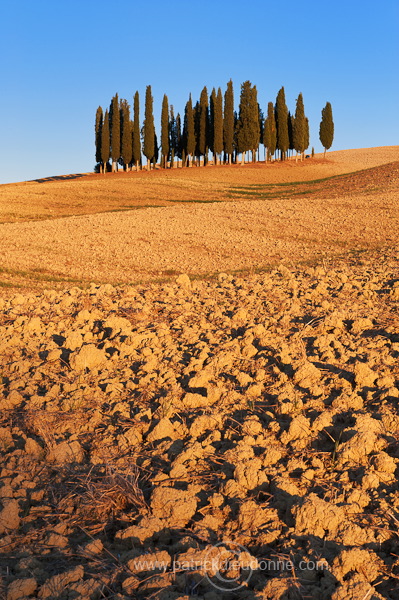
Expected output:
(102, 493)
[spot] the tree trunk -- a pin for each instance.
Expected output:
(325, 150)
(243, 158)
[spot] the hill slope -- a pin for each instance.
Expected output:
(260, 218)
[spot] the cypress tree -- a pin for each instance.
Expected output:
(269, 132)
(261, 118)
(165, 145)
(136, 142)
(326, 132)
(218, 126)
(228, 122)
(105, 142)
(300, 128)
(126, 128)
(235, 137)
(290, 121)
(115, 128)
(255, 131)
(203, 133)
(189, 140)
(212, 106)
(148, 128)
(156, 150)
(179, 147)
(172, 136)
(98, 132)
(281, 116)
(196, 112)
(307, 136)
(248, 121)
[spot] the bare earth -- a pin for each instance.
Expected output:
(233, 437)
(239, 229)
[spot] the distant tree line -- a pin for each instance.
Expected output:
(211, 125)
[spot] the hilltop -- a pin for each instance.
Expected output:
(197, 220)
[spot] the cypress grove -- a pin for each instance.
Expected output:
(211, 125)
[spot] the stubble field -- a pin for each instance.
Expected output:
(225, 423)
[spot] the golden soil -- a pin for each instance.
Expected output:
(55, 231)
(204, 438)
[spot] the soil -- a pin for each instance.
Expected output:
(227, 437)
(217, 219)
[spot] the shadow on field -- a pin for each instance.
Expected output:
(59, 177)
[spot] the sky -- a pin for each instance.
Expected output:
(60, 61)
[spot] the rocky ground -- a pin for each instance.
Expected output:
(235, 438)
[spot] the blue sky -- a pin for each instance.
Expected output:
(61, 60)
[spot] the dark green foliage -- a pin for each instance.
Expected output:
(290, 121)
(98, 132)
(307, 134)
(148, 128)
(165, 143)
(178, 146)
(156, 150)
(269, 132)
(326, 127)
(228, 121)
(126, 129)
(105, 141)
(207, 126)
(189, 139)
(203, 128)
(218, 125)
(248, 130)
(115, 129)
(301, 132)
(281, 116)
(196, 112)
(261, 123)
(172, 136)
(212, 103)
(136, 142)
